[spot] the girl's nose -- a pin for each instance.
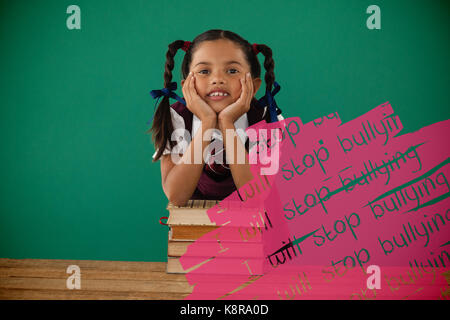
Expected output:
(217, 78)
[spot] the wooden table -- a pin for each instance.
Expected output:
(46, 279)
(37, 279)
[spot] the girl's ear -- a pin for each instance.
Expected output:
(256, 84)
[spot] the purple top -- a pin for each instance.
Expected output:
(217, 184)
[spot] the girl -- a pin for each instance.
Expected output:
(220, 73)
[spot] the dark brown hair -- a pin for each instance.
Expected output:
(162, 122)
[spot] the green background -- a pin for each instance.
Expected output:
(77, 180)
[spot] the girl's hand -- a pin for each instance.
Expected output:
(195, 103)
(235, 110)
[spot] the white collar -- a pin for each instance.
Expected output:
(241, 123)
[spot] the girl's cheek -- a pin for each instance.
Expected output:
(199, 85)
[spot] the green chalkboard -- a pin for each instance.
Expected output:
(77, 177)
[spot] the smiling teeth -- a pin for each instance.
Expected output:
(218, 94)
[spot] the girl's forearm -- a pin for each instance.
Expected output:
(237, 156)
(183, 178)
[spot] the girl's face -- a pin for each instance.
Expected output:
(220, 64)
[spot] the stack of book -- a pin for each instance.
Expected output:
(189, 223)
(186, 224)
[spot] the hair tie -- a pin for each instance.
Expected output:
(186, 45)
(255, 49)
(168, 92)
(269, 100)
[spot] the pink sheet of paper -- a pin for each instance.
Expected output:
(344, 197)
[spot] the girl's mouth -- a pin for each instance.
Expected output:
(217, 98)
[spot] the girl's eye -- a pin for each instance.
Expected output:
(236, 71)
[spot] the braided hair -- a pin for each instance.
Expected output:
(162, 127)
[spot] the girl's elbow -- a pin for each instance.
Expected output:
(176, 196)
(176, 200)
(178, 203)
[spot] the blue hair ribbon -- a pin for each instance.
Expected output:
(168, 92)
(269, 100)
